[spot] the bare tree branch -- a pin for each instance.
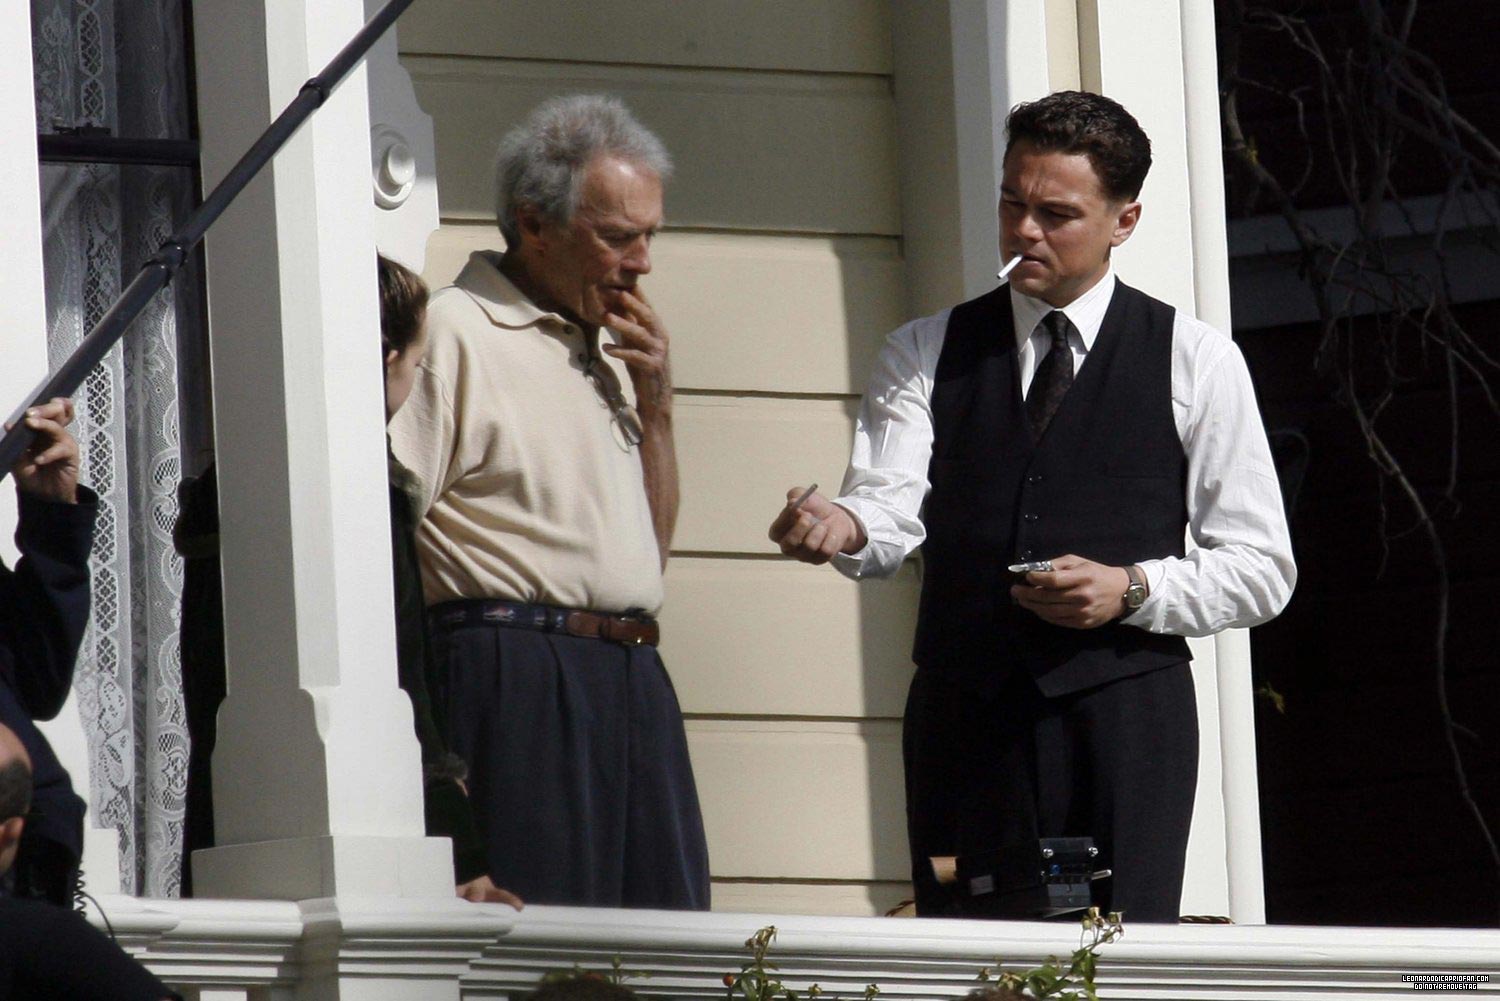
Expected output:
(1377, 97)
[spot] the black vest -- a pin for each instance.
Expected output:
(1107, 481)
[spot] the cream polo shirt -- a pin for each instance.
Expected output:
(530, 489)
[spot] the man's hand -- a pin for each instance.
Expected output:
(482, 890)
(1077, 593)
(643, 349)
(49, 467)
(817, 531)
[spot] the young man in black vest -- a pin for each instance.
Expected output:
(1067, 418)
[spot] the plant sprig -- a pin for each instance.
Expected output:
(1051, 980)
(758, 980)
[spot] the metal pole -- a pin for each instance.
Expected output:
(169, 257)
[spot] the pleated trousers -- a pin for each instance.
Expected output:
(578, 767)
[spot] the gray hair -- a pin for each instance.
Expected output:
(542, 161)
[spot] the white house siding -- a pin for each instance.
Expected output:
(779, 273)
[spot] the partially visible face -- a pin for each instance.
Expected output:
(10, 841)
(1055, 213)
(401, 371)
(11, 751)
(583, 265)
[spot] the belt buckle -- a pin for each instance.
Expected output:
(613, 626)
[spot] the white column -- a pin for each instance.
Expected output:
(316, 775)
(23, 348)
(959, 67)
(999, 60)
(23, 309)
(1157, 58)
(1241, 788)
(1134, 54)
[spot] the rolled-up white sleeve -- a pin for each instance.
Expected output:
(1242, 571)
(886, 481)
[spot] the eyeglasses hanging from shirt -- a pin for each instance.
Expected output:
(608, 386)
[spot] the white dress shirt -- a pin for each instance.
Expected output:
(1241, 572)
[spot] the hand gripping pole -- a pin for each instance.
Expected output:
(169, 257)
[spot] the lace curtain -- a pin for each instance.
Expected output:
(120, 64)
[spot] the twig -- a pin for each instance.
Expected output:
(1379, 96)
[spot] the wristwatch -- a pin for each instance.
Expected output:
(1135, 594)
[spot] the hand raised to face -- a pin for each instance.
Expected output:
(643, 347)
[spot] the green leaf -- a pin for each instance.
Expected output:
(1271, 695)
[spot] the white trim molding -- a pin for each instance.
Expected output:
(231, 950)
(403, 155)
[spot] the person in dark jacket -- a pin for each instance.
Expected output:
(51, 952)
(44, 608)
(403, 307)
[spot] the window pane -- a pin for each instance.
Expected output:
(101, 222)
(119, 64)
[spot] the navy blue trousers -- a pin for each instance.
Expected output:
(1117, 763)
(578, 767)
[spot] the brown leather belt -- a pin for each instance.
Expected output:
(629, 629)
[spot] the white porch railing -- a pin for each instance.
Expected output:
(259, 951)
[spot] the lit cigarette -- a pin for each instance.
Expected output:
(797, 504)
(1009, 266)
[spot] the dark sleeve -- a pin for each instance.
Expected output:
(44, 601)
(54, 953)
(446, 808)
(449, 814)
(201, 650)
(411, 628)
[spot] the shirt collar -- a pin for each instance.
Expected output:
(1086, 312)
(505, 305)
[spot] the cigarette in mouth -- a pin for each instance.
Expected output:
(1009, 266)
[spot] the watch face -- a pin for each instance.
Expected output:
(1135, 596)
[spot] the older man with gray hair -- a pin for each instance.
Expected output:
(540, 432)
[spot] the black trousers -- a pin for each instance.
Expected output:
(578, 767)
(1118, 763)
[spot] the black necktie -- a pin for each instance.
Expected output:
(1053, 376)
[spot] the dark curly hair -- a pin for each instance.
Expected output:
(1074, 121)
(403, 304)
